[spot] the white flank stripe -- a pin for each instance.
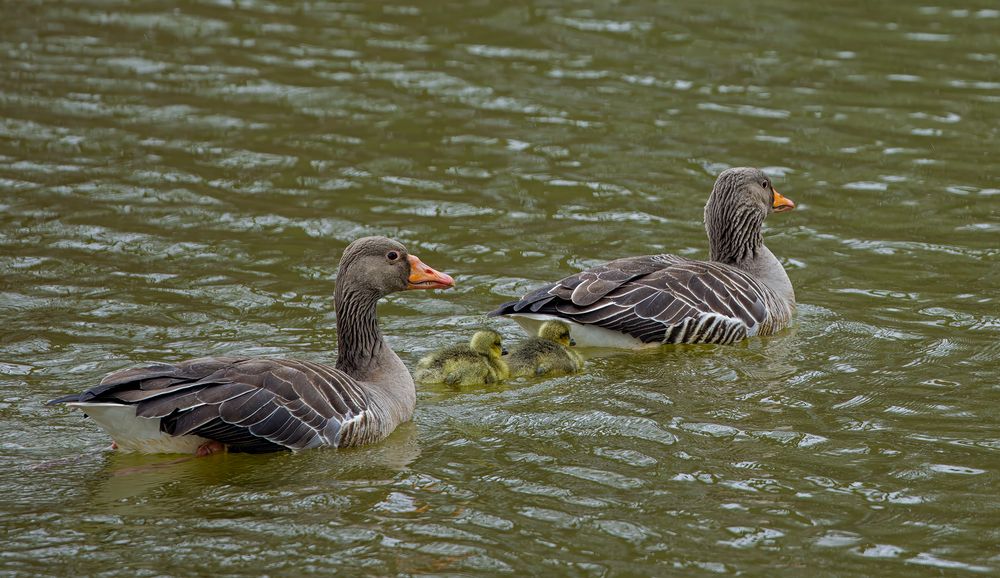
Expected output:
(584, 335)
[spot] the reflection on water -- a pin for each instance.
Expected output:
(144, 482)
(180, 181)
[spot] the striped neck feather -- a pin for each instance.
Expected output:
(734, 231)
(358, 335)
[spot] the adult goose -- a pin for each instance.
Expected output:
(641, 301)
(259, 404)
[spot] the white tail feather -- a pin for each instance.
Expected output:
(137, 434)
(584, 335)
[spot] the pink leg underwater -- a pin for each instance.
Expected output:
(209, 448)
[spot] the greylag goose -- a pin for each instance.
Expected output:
(477, 363)
(548, 354)
(256, 404)
(641, 301)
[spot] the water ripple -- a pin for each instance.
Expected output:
(180, 182)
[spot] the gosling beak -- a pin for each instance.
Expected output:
(424, 277)
(503, 351)
(572, 342)
(781, 204)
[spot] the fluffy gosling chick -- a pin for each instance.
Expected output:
(547, 354)
(477, 363)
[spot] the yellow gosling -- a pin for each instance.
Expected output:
(478, 363)
(549, 354)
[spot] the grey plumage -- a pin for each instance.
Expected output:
(265, 404)
(742, 291)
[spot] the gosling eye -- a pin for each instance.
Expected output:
(766, 185)
(392, 255)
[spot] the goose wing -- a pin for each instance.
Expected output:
(655, 299)
(251, 404)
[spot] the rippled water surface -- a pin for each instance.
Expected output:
(179, 179)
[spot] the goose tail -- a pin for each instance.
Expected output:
(71, 398)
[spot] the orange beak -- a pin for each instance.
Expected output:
(781, 204)
(423, 277)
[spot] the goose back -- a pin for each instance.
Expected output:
(250, 404)
(659, 299)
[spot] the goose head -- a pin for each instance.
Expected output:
(380, 266)
(740, 201)
(556, 331)
(488, 343)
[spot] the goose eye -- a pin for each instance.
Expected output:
(764, 184)
(392, 255)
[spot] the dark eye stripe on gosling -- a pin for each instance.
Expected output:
(742, 291)
(263, 404)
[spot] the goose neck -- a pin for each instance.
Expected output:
(360, 342)
(364, 355)
(734, 235)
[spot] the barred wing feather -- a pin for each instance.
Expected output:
(656, 299)
(250, 404)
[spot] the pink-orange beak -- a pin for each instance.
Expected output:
(424, 277)
(781, 203)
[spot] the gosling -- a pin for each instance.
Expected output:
(549, 354)
(477, 363)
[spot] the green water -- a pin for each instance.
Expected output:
(178, 179)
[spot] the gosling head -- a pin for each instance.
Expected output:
(488, 343)
(556, 331)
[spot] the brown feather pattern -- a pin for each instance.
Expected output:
(742, 291)
(662, 299)
(251, 404)
(264, 404)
